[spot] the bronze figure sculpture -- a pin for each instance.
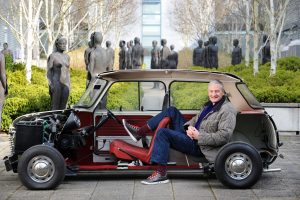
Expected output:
(198, 54)
(58, 75)
(236, 56)
(137, 54)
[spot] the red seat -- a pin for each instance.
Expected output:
(126, 151)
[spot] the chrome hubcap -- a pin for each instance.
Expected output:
(41, 169)
(238, 166)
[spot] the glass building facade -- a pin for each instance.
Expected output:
(151, 26)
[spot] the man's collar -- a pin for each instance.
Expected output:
(218, 105)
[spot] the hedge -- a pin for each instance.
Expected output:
(283, 87)
(26, 98)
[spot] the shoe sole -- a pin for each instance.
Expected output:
(132, 137)
(154, 183)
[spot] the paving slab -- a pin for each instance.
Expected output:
(284, 185)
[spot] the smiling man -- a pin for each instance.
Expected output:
(203, 135)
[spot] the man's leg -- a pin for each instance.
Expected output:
(177, 121)
(164, 140)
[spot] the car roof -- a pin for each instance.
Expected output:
(169, 74)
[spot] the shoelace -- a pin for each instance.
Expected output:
(133, 127)
(153, 175)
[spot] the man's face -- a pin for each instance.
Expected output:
(215, 93)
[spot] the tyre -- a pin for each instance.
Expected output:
(238, 165)
(41, 167)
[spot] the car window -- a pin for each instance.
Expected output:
(135, 96)
(92, 93)
(188, 95)
(249, 97)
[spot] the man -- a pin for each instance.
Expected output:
(204, 134)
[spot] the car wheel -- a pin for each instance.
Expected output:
(41, 167)
(238, 165)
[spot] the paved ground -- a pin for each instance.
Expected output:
(284, 185)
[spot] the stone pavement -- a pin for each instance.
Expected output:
(284, 185)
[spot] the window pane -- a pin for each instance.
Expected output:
(250, 98)
(152, 95)
(124, 96)
(188, 95)
(151, 19)
(151, 30)
(151, 8)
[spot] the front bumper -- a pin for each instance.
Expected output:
(11, 163)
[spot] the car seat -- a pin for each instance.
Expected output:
(126, 151)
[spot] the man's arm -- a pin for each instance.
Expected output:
(191, 122)
(226, 126)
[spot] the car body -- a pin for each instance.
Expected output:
(90, 139)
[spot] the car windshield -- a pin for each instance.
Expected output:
(92, 93)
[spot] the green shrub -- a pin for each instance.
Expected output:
(25, 98)
(282, 87)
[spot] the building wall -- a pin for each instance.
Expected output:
(8, 37)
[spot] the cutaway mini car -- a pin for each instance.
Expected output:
(90, 139)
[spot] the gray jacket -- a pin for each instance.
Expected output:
(215, 129)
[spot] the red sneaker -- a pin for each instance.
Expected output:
(156, 178)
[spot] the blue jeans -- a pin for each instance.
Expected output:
(174, 137)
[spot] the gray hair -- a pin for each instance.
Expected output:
(217, 82)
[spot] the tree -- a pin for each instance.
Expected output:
(11, 13)
(276, 11)
(189, 18)
(32, 20)
(111, 16)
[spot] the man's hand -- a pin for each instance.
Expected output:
(193, 133)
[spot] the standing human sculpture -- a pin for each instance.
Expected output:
(3, 87)
(266, 53)
(6, 51)
(58, 75)
(205, 55)
(164, 54)
(173, 58)
(122, 55)
(236, 56)
(129, 56)
(98, 58)
(137, 54)
(198, 54)
(213, 52)
(155, 56)
(87, 53)
(110, 55)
